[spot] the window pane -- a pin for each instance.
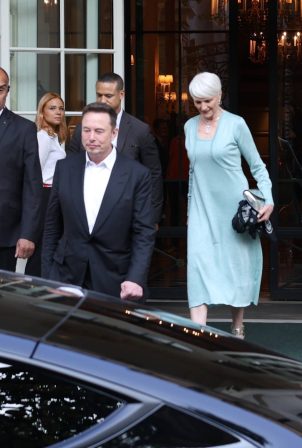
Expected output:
(204, 16)
(82, 72)
(39, 408)
(161, 15)
(204, 52)
(168, 267)
(88, 24)
(23, 80)
(171, 428)
(48, 70)
(289, 115)
(23, 15)
(48, 22)
(34, 24)
(290, 184)
(290, 263)
(31, 76)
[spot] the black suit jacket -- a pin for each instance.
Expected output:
(121, 243)
(20, 180)
(136, 141)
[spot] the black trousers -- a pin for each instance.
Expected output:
(7, 258)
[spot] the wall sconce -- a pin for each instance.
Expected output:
(170, 96)
(184, 96)
(164, 94)
(50, 2)
(165, 80)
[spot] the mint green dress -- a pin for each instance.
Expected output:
(224, 267)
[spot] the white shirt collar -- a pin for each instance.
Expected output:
(108, 162)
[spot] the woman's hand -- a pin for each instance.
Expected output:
(265, 212)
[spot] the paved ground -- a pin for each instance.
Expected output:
(275, 325)
(267, 311)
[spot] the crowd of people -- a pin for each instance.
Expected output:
(87, 213)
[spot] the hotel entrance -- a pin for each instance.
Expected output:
(256, 49)
(255, 46)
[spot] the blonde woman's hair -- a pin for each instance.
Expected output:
(61, 129)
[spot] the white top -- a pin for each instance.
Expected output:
(50, 151)
(96, 179)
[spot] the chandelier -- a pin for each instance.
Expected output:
(253, 15)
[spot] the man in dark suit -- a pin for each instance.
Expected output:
(99, 231)
(20, 183)
(134, 139)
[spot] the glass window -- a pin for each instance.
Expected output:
(61, 46)
(39, 408)
(48, 24)
(169, 42)
(290, 263)
(23, 30)
(170, 428)
(206, 16)
(98, 14)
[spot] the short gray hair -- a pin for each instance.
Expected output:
(205, 85)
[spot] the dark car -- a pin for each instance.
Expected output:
(78, 369)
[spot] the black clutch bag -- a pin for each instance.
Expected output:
(246, 220)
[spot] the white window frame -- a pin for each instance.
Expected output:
(117, 51)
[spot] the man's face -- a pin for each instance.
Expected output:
(3, 89)
(97, 135)
(107, 92)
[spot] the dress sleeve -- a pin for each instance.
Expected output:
(250, 153)
(44, 147)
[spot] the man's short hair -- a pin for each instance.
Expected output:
(112, 77)
(101, 108)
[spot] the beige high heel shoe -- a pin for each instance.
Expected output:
(238, 332)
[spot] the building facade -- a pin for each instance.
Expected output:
(255, 46)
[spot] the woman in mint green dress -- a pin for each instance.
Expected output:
(224, 267)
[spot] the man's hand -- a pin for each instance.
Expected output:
(131, 290)
(24, 248)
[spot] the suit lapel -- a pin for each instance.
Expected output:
(115, 188)
(4, 122)
(125, 126)
(77, 186)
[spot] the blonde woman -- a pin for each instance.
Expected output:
(52, 133)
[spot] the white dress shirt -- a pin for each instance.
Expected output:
(50, 151)
(96, 179)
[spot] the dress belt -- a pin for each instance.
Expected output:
(47, 185)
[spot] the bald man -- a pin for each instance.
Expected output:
(20, 183)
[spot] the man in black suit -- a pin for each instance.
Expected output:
(99, 231)
(134, 139)
(20, 184)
